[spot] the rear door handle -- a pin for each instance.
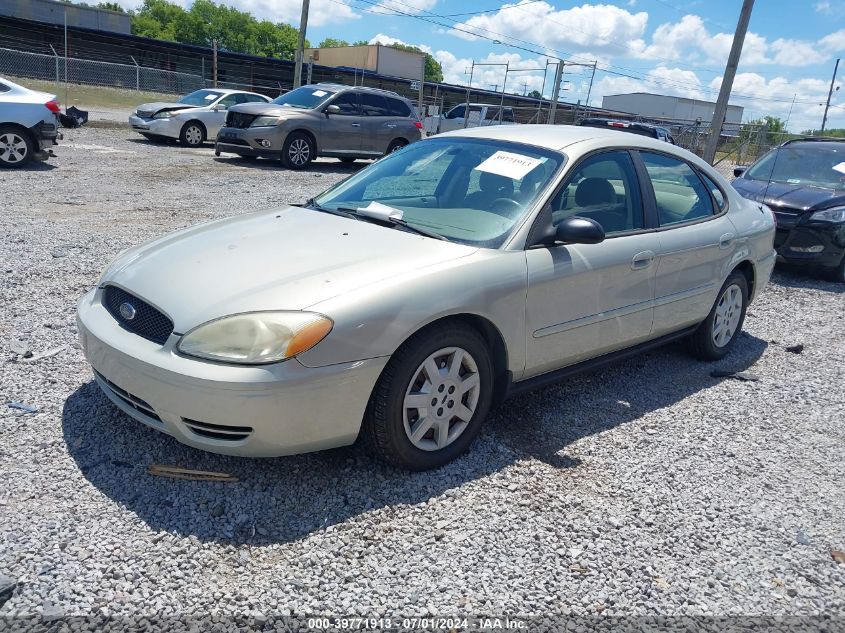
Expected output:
(356, 125)
(642, 260)
(726, 240)
(391, 125)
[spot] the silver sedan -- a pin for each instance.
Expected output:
(193, 119)
(406, 301)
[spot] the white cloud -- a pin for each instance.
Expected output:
(823, 7)
(396, 7)
(835, 42)
(381, 38)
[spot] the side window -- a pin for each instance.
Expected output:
(604, 188)
(245, 98)
(374, 105)
(680, 194)
(507, 115)
(398, 108)
(718, 196)
(4, 87)
(456, 113)
(347, 102)
(229, 100)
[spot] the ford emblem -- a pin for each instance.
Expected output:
(127, 311)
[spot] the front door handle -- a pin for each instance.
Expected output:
(356, 125)
(642, 260)
(726, 240)
(391, 125)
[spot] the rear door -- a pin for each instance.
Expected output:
(378, 123)
(342, 132)
(697, 241)
(585, 300)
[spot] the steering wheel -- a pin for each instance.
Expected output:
(503, 206)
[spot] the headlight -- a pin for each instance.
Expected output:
(266, 121)
(829, 215)
(163, 115)
(256, 337)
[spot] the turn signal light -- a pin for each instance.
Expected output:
(418, 125)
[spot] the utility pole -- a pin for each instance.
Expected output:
(590, 89)
(300, 45)
(556, 90)
(728, 82)
(214, 62)
(829, 95)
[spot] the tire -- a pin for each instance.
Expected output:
(192, 134)
(347, 160)
(395, 145)
(298, 151)
(838, 273)
(16, 147)
(709, 341)
(461, 401)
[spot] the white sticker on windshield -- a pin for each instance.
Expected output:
(508, 164)
(210, 97)
(319, 93)
(840, 168)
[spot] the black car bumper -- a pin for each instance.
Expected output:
(815, 245)
(46, 135)
(243, 150)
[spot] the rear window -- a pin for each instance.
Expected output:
(4, 87)
(398, 107)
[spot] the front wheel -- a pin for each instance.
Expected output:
(431, 398)
(297, 151)
(718, 333)
(838, 273)
(16, 147)
(192, 134)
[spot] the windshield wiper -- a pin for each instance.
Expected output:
(312, 204)
(392, 219)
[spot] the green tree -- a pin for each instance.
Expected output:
(111, 6)
(535, 94)
(331, 42)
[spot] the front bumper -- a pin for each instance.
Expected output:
(158, 127)
(258, 141)
(263, 411)
(814, 245)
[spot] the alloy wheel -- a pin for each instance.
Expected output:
(441, 399)
(13, 148)
(728, 314)
(299, 152)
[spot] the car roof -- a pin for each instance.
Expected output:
(824, 142)
(339, 87)
(558, 137)
(228, 91)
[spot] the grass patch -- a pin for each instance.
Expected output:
(94, 96)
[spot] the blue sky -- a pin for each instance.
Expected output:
(665, 46)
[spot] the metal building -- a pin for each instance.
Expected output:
(667, 107)
(77, 15)
(384, 60)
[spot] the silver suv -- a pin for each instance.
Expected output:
(321, 120)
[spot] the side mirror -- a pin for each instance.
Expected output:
(738, 171)
(221, 106)
(577, 230)
(332, 109)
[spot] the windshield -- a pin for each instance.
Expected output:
(306, 97)
(200, 97)
(471, 191)
(802, 165)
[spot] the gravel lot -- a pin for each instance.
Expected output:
(645, 488)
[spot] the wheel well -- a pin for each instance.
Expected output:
(747, 269)
(201, 124)
(495, 341)
(399, 139)
(20, 128)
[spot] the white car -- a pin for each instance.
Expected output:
(29, 124)
(193, 119)
(480, 114)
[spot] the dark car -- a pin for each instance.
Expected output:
(643, 129)
(803, 181)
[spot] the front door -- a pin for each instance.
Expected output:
(342, 132)
(586, 300)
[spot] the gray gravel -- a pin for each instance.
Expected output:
(645, 488)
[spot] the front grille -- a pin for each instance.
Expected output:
(145, 114)
(133, 401)
(234, 141)
(147, 322)
(239, 120)
(218, 431)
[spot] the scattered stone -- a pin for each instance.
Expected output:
(795, 349)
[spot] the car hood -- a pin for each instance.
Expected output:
(781, 194)
(162, 105)
(269, 109)
(280, 260)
